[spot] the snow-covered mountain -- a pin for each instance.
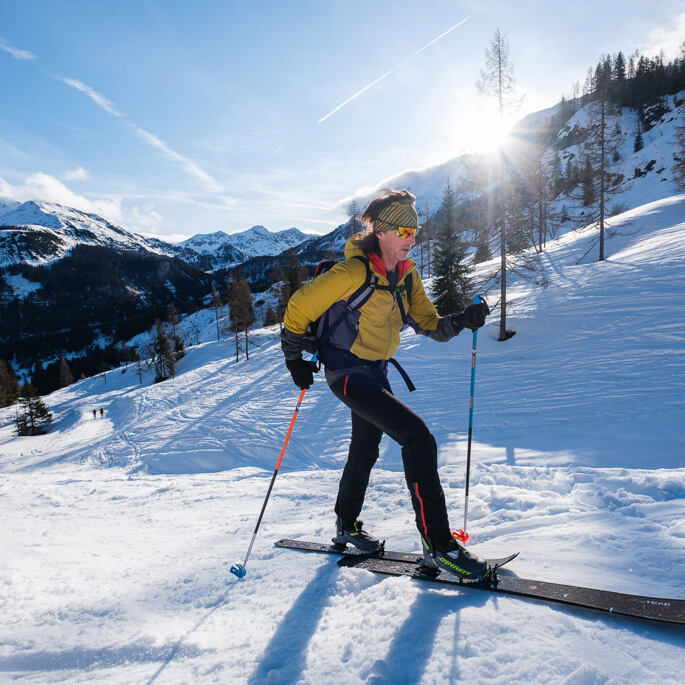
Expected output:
(41, 232)
(119, 531)
(36, 232)
(254, 242)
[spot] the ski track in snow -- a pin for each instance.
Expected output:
(119, 532)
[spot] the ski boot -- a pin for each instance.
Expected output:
(357, 536)
(450, 556)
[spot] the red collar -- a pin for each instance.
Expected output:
(402, 267)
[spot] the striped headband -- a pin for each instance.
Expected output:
(396, 215)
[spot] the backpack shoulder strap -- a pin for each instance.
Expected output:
(364, 292)
(355, 301)
(409, 284)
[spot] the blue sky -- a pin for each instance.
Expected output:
(177, 118)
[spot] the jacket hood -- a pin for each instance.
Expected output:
(352, 250)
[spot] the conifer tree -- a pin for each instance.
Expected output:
(241, 310)
(355, 224)
(679, 153)
(161, 354)
(270, 317)
(177, 342)
(217, 304)
(483, 252)
(65, 375)
(294, 273)
(9, 388)
(33, 417)
(555, 175)
(588, 184)
(452, 286)
(600, 145)
(277, 277)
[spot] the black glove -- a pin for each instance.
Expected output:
(302, 372)
(472, 317)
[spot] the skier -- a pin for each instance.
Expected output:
(102, 412)
(355, 356)
(95, 413)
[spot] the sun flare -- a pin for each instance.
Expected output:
(488, 132)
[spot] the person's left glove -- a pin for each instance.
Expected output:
(472, 317)
(302, 372)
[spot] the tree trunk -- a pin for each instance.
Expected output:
(602, 184)
(503, 289)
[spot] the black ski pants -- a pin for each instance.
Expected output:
(375, 412)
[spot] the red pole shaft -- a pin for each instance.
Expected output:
(273, 478)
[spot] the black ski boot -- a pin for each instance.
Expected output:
(355, 535)
(450, 556)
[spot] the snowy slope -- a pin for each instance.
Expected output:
(120, 574)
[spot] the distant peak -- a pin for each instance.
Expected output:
(215, 234)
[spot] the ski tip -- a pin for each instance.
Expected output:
(238, 570)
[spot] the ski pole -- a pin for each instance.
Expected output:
(240, 570)
(461, 534)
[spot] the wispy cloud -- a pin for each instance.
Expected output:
(387, 73)
(99, 99)
(191, 167)
(15, 52)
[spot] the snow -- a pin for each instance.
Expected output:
(253, 242)
(21, 287)
(118, 532)
(64, 228)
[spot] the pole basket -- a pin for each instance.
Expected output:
(238, 570)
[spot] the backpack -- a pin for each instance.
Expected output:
(321, 329)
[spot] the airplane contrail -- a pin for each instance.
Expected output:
(387, 73)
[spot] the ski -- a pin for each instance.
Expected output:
(405, 557)
(667, 610)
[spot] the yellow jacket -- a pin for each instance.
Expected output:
(380, 319)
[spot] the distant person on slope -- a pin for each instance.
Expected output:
(356, 355)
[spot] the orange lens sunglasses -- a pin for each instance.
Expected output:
(406, 231)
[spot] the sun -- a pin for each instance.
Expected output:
(488, 132)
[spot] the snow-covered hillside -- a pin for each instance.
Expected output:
(118, 532)
(647, 174)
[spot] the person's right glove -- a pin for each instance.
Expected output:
(472, 317)
(302, 372)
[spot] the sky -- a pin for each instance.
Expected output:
(172, 118)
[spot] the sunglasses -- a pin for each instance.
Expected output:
(406, 231)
